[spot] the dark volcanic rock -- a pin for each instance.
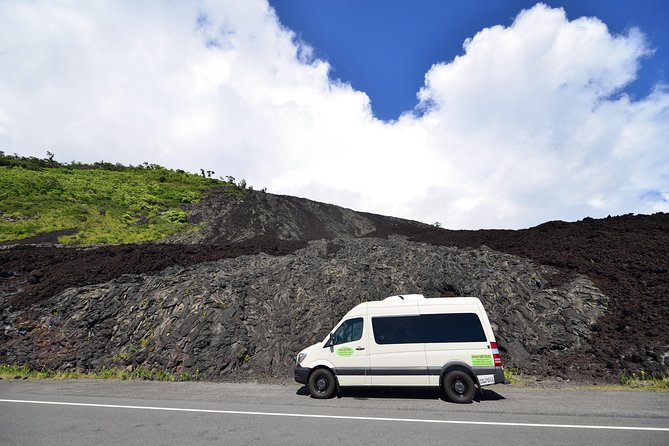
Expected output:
(228, 218)
(31, 273)
(549, 316)
(627, 257)
(249, 316)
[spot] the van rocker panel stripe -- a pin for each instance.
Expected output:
(403, 371)
(476, 370)
(397, 371)
(349, 371)
(381, 371)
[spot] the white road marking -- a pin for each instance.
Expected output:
(340, 417)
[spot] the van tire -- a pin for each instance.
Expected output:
(459, 386)
(322, 384)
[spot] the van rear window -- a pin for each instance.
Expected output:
(429, 328)
(455, 327)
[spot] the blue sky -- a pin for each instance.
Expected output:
(481, 114)
(384, 48)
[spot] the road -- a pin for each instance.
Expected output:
(99, 412)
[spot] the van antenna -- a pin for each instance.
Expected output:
(402, 297)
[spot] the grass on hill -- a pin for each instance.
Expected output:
(104, 203)
(642, 381)
(10, 372)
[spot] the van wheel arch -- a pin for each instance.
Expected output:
(457, 366)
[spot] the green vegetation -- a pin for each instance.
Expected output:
(24, 372)
(635, 382)
(244, 358)
(510, 376)
(103, 203)
(641, 381)
(644, 381)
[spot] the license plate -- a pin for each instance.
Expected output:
(486, 380)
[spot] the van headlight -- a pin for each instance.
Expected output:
(301, 357)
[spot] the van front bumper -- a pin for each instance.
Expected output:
(301, 374)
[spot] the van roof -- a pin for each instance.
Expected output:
(416, 301)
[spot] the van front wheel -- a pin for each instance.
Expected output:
(459, 386)
(322, 384)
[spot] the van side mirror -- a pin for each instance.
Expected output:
(330, 342)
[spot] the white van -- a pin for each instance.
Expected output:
(406, 341)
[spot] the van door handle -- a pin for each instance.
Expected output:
(360, 348)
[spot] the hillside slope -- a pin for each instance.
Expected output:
(627, 257)
(226, 218)
(583, 300)
(249, 316)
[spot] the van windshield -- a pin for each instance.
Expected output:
(348, 331)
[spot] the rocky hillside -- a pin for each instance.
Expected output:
(229, 218)
(269, 275)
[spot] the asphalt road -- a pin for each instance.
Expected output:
(90, 412)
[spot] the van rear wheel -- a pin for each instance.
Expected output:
(459, 386)
(322, 384)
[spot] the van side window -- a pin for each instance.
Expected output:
(349, 331)
(396, 330)
(428, 328)
(454, 327)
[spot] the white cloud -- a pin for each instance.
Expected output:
(525, 126)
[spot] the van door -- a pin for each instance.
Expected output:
(348, 352)
(397, 353)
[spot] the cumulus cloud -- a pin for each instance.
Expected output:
(527, 125)
(536, 127)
